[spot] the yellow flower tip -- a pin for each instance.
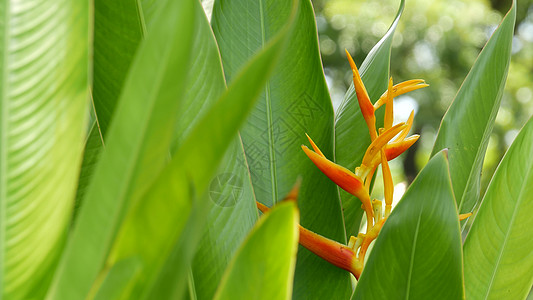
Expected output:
(464, 216)
(389, 112)
(393, 150)
(380, 142)
(400, 89)
(315, 147)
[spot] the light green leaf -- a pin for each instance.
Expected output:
(43, 108)
(497, 250)
(155, 227)
(351, 133)
(118, 29)
(295, 101)
(136, 150)
(467, 125)
(418, 253)
(117, 282)
(263, 268)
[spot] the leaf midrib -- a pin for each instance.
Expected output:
(411, 261)
(271, 150)
(509, 228)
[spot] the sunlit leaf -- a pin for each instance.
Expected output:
(263, 268)
(467, 125)
(136, 150)
(497, 250)
(44, 71)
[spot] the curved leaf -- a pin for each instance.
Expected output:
(266, 259)
(295, 101)
(165, 233)
(351, 133)
(418, 253)
(497, 250)
(118, 30)
(467, 125)
(43, 100)
(136, 150)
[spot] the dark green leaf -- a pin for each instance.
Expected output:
(418, 253)
(295, 101)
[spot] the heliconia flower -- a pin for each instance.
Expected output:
(400, 89)
(389, 113)
(335, 253)
(367, 109)
(372, 154)
(347, 180)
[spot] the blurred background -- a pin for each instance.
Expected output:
(437, 41)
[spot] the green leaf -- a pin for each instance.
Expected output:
(351, 133)
(497, 250)
(136, 150)
(418, 253)
(117, 282)
(467, 125)
(263, 268)
(228, 222)
(295, 101)
(91, 154)
(43, 108)
(118, 29)
(155, 227)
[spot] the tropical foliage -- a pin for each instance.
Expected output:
(139, 138)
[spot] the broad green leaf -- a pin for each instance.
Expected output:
(117, 282)
(93, 147)
(351, 133)
(136, 149)
(118, 29)
(467, 125)
(497, 250)
(295, 101)
(418, 253)
(263, 268)
(43, 107)
(153, 229)
(229, 220)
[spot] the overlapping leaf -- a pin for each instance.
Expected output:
(497, 250)
(418, 253)
(139, 139)
(263, 268)
(351, 133)
(43, 95)
(467, 125)
(159, 228)
(295, 101)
